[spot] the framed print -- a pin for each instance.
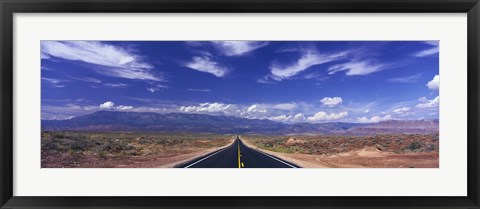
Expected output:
(266, 104)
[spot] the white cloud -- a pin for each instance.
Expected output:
(428, 52)
(44, 56)
(152, 90)
(123, 108)
(256, 108)
(85, 79)
(285, 106)
(107, 105)
(208, 108)
(356, 68)
(401, 110)
(434, 84)
(156, 88)
(322, 116)
(289, 118)
(205, 64)
(199, 90)
(429, 103)
(331, 101)
(56, 83)
(115, 85)
(406, 79)
(237, 48)
(299, 117)
(374, 119)
(307, 60)
(281, 118)
(118, 61)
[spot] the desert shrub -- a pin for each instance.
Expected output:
(80, 145)
(49, 145)
(414, 145)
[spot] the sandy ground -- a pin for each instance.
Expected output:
(368, 157)
(164, 160)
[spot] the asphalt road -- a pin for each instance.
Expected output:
(237, 155)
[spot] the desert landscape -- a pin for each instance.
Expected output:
(379, 151)
(100, 140)
(240, 104)
(125, 150)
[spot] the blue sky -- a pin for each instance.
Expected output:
(285, 81)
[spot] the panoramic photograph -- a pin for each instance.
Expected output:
(240, 104)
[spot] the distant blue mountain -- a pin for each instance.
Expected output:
(180, 122)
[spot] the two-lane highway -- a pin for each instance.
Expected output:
(238, 155)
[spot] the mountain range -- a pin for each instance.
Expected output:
(179, 122)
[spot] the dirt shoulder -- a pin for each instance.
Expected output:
(368, 157)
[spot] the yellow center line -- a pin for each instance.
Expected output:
(239, 163)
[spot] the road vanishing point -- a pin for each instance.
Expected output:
(238, 155)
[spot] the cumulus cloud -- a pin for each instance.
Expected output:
(429, 103)
(123, 107)
(255, 108)
(374, 119)
(434, 84)
(237, 48)
(289, 118)
(299, 117)
(357, 68)
(306, 60)
(208, 108)
(205, 64)
(331, 101)
(323, 116)
(107, 105)
(119, 62)
(434, 49)
(281, 118)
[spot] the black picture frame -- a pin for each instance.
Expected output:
(9, 7)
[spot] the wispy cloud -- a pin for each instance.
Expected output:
(401, 110)
(307, 60)
(207, 65)
(115, 85)
(156, 88)
(285, 106)
(56, 83)
(357, 68)
(406, 79)
(237, 48)
(119, 62)
(199, 90)
(85, 79)
(434, 49)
